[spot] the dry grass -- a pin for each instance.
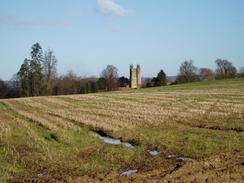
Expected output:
(212, 108)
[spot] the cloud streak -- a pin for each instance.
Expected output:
(17, 21)
(111, 7)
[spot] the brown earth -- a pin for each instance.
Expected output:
(225, 167)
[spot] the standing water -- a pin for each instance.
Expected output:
(113, 141)
(129, 172)
(153, 152)
(179, 157)
(109, 140)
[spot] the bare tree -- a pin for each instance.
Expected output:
(241, 72)
(2, 88)
(225, 69)
(49, 65)
(110, 75)
(188, 72)
(67, 84)
(206, 74)
(147, 83)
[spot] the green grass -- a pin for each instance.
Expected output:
(203, 85)
(191, 142)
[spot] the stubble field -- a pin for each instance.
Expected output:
(52, 138)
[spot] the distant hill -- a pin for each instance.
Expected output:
(172, 78)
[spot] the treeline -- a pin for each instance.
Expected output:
(224, 70)
(37, 76)
(188, 72)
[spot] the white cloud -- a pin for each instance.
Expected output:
(111, 7)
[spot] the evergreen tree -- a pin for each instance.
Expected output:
(161, 79)
(24, 76)
(36, 78)
(36, 53)
(36, 74)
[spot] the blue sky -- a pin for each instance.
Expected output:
(87, 35)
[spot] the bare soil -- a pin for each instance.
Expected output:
(225, 167)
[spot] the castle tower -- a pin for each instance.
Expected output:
(135, 76)
(138, 76)
(133, 80)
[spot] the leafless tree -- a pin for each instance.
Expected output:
(110, 75)
(188, 72)
(206, 74)
(49, 65)
(2, 88)
(225, 69)
(241, 72)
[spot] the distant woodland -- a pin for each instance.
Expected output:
(37, 76)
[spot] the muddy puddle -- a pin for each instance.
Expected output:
(153, 152)
(113, 141)
(40, 174)
(129, 172)
(179, 157)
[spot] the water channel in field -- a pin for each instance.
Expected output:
(113, 141)
(152, 152)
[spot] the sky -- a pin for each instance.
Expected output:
(87, 35)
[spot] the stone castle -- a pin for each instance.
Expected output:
(135, 76)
